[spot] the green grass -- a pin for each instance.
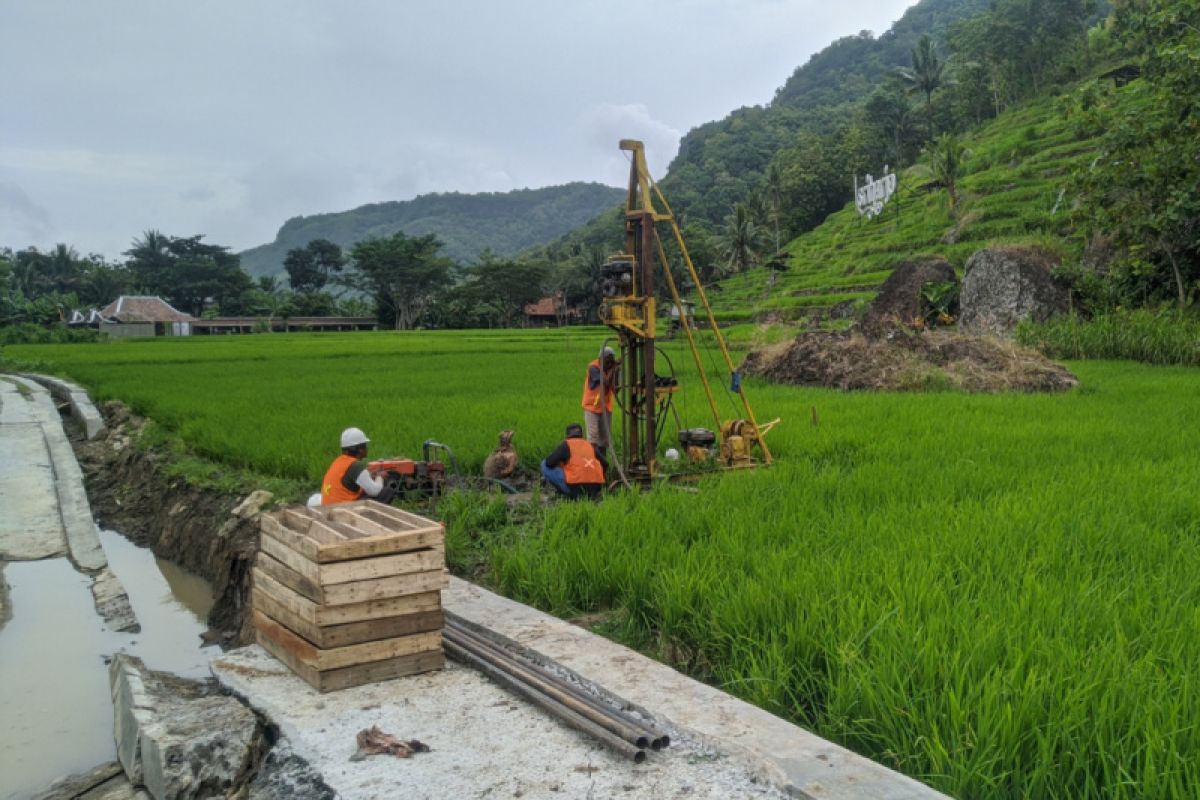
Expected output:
(993, 594)
(1019, 165)
(1155, 338)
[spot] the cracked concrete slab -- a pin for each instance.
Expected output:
(83, 537)
(31, 527)
(82, 408)
(47, 513)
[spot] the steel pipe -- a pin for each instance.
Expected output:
(639, 731)
(567, 715)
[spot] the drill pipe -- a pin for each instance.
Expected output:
(634, 736)
(567, 715)
(645, 732)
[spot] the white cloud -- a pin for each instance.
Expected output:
(227, 117)
(22, 219)
(604, 125)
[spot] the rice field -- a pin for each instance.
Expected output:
(994, 594)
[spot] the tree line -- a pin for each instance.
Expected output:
(405, 281)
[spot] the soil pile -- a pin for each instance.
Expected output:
(905, 360)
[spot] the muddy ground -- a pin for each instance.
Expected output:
(131, 491)
(902, 359)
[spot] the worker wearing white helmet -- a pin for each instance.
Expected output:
(348, 478)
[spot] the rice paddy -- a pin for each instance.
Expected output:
(994, 594)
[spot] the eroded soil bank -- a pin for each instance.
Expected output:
(206, 531)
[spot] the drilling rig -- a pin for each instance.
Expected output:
(628, 286)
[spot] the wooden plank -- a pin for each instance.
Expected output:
(288, 577)
(397, 515)
(350, 633)
(347, 677)
(382, 670)
(321, 616)
(290, 558)
(350, 655)
(381, 545)
(273, 528)
(381, 566)
(359, 523)
(340, 594)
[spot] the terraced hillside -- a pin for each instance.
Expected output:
(1015, 190)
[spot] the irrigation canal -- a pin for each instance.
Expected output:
(54, 643)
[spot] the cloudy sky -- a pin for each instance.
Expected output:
(226, 117)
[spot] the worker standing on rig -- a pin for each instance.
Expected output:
(576, 468)
(348, 478)
(597, 410)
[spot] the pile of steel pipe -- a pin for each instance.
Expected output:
(569, 702)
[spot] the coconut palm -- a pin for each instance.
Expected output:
(775, 197)
(926, 75)
(740, 240)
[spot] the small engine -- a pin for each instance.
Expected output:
(616, 278)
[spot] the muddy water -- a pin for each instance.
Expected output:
(54, 696)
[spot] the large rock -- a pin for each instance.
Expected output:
(178, 739)
(1003, 286)
(899, 299)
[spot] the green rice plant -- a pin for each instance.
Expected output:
(994, 594)
(1163, 337)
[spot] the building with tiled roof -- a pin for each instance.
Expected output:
(141, 315)
(143, 308)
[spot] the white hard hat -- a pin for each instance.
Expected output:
(353, 437)
(607, 351)
(672, 454)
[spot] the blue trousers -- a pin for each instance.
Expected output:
(558, 479)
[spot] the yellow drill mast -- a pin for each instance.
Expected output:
(629, 308)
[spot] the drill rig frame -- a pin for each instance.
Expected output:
(629, 307)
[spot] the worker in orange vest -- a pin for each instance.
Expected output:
(577, 467)
(348, 477)
(597, 411)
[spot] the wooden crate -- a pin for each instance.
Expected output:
(351, 593)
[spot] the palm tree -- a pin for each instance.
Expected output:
(740, 240)
(926, 75)
(946, 160)
(775, 197)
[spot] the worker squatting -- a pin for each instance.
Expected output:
(576, 468)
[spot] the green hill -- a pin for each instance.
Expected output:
(1015, 190)
(724, 161)
(467, 224)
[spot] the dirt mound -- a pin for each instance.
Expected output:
(904, 360)
(900, 296)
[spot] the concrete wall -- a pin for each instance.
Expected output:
(127, 330)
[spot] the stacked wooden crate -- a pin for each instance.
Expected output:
(350, 593)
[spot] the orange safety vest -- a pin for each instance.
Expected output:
(583, 466)
(591, 397)
(332, 490)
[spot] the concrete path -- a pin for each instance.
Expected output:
(489, 743)
(46, 513)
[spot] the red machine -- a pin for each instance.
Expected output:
(412, 479)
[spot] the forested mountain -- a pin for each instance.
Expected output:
(465, 224)
(726, 161)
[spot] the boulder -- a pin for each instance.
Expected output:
(1004, 286)
(899, 299)
(177, 738)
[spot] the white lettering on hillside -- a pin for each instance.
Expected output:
(872, 196)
